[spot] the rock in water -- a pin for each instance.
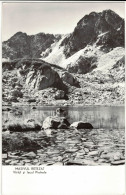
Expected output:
(55, 122)
(28, 125)
(81, 125)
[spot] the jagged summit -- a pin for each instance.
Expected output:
(90, 26)
(103, 29)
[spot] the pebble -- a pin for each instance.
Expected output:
(120, 162)
(122, 158)
(96, 158)
(58, 164)
(29, 155)
(39, 151)
(75, 162)
(20, 163)
(35, 161)
(102, 160)
(15, 153)
(27, 164)
(86, 150)
(7, 161)
(27, 161)
(14, 162)
(81, 152)
(93, 153)
(72, 150)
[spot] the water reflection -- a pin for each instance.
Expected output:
(98, 116)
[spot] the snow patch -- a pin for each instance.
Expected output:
(102, 34)
(56, 56)
(107, 60)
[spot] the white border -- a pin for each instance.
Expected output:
(93, 180)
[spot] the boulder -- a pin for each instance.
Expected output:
(81, 125)
(43, 77)
(16, 93)
(68, 78)
(55, 122)
(28, 125)
(32, 124)
(60, 94)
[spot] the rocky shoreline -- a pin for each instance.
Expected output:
(56, 142)
(67, 152)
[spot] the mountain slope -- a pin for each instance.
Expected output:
(22, 45)
(95, 35)
(90, 27)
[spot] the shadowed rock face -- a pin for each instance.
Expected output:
(36, 74)
(92, 25)
(43, 78)
(22, 45)
(83, 65)
(68, 78)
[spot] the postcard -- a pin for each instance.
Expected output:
(63, 98)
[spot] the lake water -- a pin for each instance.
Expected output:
(104, 145)
(98, 116)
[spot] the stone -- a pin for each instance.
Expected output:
(43, 77)
(32, 124)
(29, 155)
(81, 125)
(14, 162)
(95, 158)
(33, 107)
(86, 150)
(35, 161)
(93, 153)
(53, 122)
(102, 161)
(71, 150)
(75, 162)
(4, 156)
(120, 162)
(27, 161)
(58, 164)
(15, 153)
(111, 156)
(7, 161)
(68, 78)
(60, 94)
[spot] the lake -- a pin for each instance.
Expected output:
(104, 145)
(98, 116)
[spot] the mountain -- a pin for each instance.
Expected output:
(85, 66)
(90, 29)
(95, 35)
(22, 45)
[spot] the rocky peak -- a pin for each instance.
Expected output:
(112, 18)
(90, 27)
(21, 45)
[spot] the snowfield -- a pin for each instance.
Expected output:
(107, 60)
(56, 56)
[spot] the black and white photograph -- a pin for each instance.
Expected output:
(63, 84)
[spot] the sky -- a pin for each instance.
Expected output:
(53, 17)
